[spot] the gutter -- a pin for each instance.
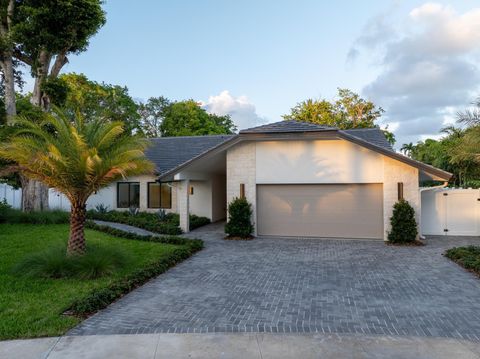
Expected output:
(445, 184)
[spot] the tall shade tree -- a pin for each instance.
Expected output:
(187, 118)
(48, 31)
(152, 114)
(349, 110)
(7, 62)
(44, 34)
(76, 158)
(75, 93)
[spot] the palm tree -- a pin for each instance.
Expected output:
(470, 117)
(76, 158)
(407, 149)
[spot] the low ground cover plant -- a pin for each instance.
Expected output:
(239, 225)
(53, 262)
(468, 257)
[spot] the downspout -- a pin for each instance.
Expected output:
(445, 184)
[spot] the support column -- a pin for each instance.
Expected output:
(184, 205)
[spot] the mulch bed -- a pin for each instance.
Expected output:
(234, 238)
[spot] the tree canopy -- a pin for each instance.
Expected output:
(160, 117)
(152, 113)
(457, 152)
(349, 110)
(96, 100)
(446, 153)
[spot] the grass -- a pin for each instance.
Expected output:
(33, 307)
(468, 257)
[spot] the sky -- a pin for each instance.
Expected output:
(256, 59)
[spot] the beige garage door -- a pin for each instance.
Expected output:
(327, 210)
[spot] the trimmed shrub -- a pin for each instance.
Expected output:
(404, 226)
(239, 219)
(196, 221)
(4, 209)
(97, 262)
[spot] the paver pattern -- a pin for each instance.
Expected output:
(304, 285)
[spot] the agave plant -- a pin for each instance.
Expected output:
(77, 158)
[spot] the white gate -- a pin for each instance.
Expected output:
(453, 212)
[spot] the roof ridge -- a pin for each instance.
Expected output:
(194, 136)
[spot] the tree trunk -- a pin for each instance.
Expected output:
(76, 242)
(9, 83)
(38, 96)
(34, 195)
(7, 62)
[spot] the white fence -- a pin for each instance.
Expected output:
(451, 212)
(14, 198)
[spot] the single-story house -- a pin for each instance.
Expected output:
(302, 179)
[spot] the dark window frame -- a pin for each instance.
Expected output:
(148, 195)
(129, 189)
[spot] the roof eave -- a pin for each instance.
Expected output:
(414, 163)
(327, 133)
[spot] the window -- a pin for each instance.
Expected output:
(159, 195)
(128, 194)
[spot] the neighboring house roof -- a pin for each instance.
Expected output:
(168, 153)
(172, 154)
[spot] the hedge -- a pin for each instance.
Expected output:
(101, 298)
(169, 224)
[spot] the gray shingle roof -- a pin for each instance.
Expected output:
(374, 136)
(168, 153)
(287, 127)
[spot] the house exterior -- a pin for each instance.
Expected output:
(302, 179)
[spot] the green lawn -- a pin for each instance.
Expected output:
(31, 307)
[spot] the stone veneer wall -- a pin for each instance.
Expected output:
(241, 169)
(394, 172)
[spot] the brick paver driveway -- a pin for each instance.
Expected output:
(304, 285)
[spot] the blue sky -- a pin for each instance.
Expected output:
(256, 59)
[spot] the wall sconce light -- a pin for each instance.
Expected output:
(191, 189)
(400, 190)
(242, 190)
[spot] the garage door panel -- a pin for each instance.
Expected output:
(347, 210)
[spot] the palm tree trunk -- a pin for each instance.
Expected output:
(76, 242)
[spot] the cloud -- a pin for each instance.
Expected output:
(241, 110)
(428, 67)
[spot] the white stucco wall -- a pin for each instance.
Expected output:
(394, 172)
(108, 195)
(241, 168)
(320, 161)
(201, 199)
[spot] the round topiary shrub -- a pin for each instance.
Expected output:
(404, 226)
(239, 223)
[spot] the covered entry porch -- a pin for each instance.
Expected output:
(201, 189)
